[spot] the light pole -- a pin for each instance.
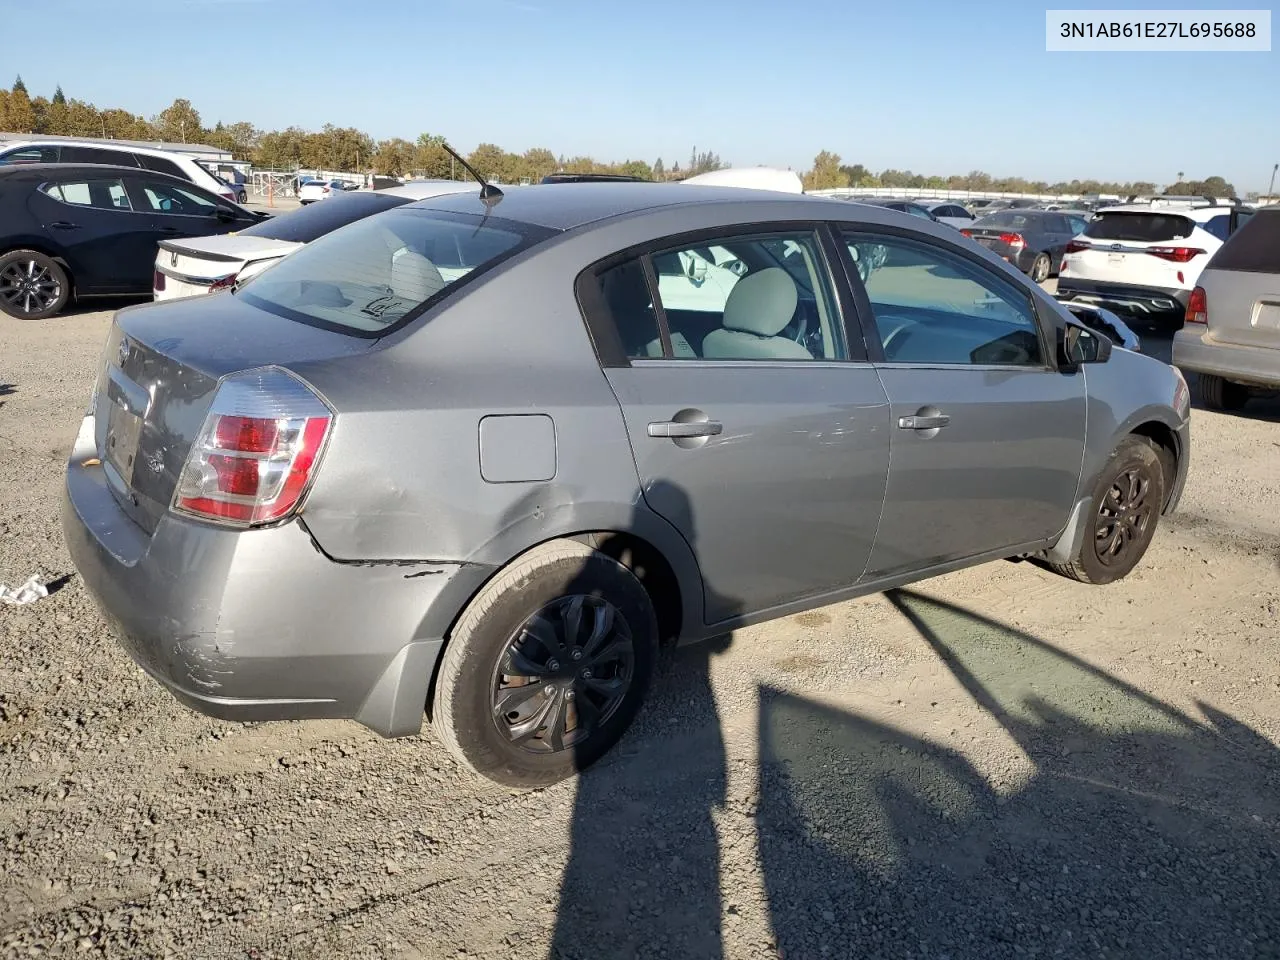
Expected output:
(1272, 186)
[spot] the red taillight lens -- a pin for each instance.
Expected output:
(1198, 307)
(1013, 239)
(223, 283)
(157, 282)
(258, 450)
(1075, 246)
(967, 233)
(1175, 254)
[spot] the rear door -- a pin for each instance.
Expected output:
(757, 433)
(987, 436)
(1242, 285)
(108, 245)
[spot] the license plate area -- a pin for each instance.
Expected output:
(123, 429)
(1115, 258)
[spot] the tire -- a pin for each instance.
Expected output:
(1040, 268)
(33, 286)
(1094, 562)
(242, 197)
(509, 743)
(1219, 394)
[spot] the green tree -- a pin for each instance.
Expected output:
(538, 163)
(855, 174)
(394, 157)
(21, 117)
(432, 160)
(123, 125)
(826, 172)
(179, 123)
(20, 87)
(659, 171)
(491, 162)
(635, 168)
(59, 97)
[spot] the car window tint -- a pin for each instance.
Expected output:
(104, 194)
(1139, 227)
(173, 199)
(372, 274)
(47, 154)
(316, 219)
(1219, 226)
(1254, 247)
(624, 290)
(918, 211)
(1078, 225)
(162, 165)
(932, 306)
(97, 155)
(785, 309)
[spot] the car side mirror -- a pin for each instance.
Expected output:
(225, 214)
(1078, 344)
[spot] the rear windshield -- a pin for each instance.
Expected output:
(369, 277)
(1006, 219)
(315, 220)
(1254, 247)
(1139, 227)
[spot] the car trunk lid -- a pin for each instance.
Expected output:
(1242, 285)
(159, 371)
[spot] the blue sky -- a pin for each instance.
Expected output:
(935, 87)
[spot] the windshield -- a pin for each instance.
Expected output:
(368, 276)
(315, 220)
(1140, 227)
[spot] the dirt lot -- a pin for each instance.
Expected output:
(996, 763)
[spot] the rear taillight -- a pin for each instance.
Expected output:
(223, 283)
(257, 452)
(157, 282)
(1198, 307)
(1076, 246)
(1175, 254)
(967, 233)
(1013, 239)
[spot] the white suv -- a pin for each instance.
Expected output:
(118, 154)
(1144, 259)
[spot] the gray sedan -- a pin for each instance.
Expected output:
(482, 457)
(1032, 240)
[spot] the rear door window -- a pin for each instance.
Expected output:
(161, 165)
(1139, 227)
(41, 154)
(104, 194)
(96, 155)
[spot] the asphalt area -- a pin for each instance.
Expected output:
(994, 763)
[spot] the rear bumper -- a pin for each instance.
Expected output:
(1196, 351)
(258, 625)
(1125, 298)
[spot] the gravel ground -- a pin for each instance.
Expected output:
(996, 763)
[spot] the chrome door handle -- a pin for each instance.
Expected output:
(923, 423)
(676, 429)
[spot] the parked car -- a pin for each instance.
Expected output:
(82, 230)
(186, 268)
(433, 458)
(902, 206)
(1231, 337)
(1144, 259)
(1032, 240)
(160, 161)
(313, 190)
(949, 212)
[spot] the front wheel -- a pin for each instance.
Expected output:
(1040, 268)
(1127, 501)
(547, 666)
(33, 286)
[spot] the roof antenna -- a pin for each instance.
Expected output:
(489, 194)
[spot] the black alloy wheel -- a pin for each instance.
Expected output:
(32, 285)
(565, 672)
(1123, 517)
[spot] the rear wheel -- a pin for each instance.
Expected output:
(547, 666)
(33, 286)
(1040, 268)
(1126, 509)
(1219, 394)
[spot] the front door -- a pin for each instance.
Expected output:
(753, 432)
(987, 436)
(182, 210)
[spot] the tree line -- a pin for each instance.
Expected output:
(829, 171)
(331, 148)
(348, 149)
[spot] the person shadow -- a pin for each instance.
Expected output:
(1129, 829)
(643, 875)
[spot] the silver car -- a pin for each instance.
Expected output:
(469, 456)
(1231, 338)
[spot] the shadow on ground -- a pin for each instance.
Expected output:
(1139, 831)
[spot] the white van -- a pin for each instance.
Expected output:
(161, 161)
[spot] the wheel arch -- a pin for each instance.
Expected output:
(1168, 448)
(39, 246)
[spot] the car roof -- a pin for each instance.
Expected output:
(563, 206)
(40, 171)
(1198, 213)
(97, 144)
